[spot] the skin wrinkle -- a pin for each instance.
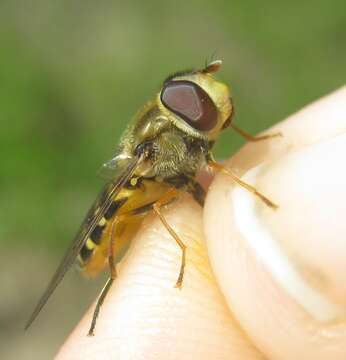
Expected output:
(196, 253)
(192, 262)
(190, 247)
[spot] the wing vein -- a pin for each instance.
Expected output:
(92, 219)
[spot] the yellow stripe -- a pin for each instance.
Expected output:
(133, 181)
(103, 222)
(90, 244)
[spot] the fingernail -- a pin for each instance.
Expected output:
(270, 243)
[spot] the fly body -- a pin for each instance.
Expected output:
(162, 149)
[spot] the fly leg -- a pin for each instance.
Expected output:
(171, 194)
(167, 198)
(252, 138)
(113, 274)
(216, 166)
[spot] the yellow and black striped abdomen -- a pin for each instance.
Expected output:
(136, 195)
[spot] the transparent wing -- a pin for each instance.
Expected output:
(94, 215)
(110, 168)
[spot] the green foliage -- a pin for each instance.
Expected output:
(73, 73)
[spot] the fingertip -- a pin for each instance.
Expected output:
(281, 271)
(145, 316)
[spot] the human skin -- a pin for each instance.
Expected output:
(259, 283)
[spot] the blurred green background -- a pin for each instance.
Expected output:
(72, 73)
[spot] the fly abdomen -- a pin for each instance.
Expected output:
(92, 242)
(96, 235)
(115, 206)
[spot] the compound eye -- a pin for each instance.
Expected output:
(191, 103)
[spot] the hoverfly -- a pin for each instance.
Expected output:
(169, 140)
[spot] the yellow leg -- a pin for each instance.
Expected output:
(252, 138)
(110, 281)
(169, 196)
(157, 208)
(216, 166)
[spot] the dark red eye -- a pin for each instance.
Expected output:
(191, 103)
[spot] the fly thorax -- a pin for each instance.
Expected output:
(175, 154)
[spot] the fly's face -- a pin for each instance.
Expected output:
(196, 102)
(180, 124)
